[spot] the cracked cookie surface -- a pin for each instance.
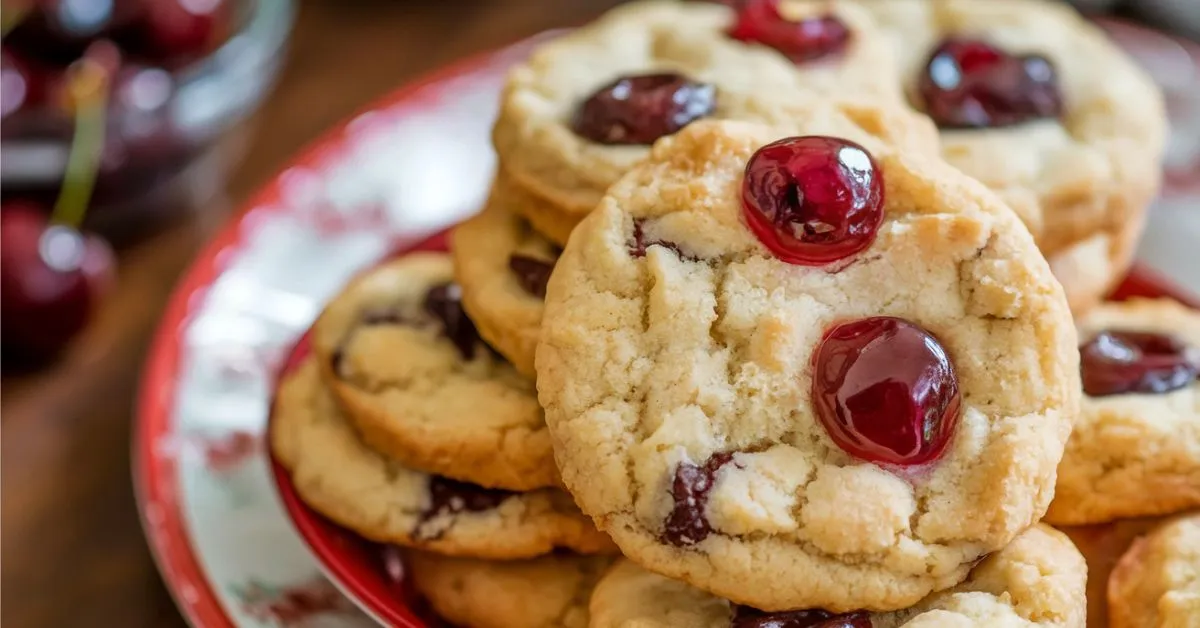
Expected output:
(503, 265)
(534, 137)
(1037, 580)
(550, 591)
(420, 385)
(1134, 454)
(1156, 584)
(697, 354)
(384, 501)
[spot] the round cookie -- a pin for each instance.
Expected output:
(678, 360)
(1136, 449)
(550, 591)
(538, 132)
(503, 266)
(1037, 580)
(553, 223)
(420, 386)
(1075, 145)
(1156, 584)
(373, 495)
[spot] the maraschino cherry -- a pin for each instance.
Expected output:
(640, 109)
(813, 200)
(885, 390)
(803, 40)
(973, 84)
(1119, 362)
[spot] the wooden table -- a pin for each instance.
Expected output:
(72, 547)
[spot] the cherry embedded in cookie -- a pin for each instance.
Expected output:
(803, 40)
(973, 84)
(641, 109)
(687, 524)
(533, 274)
(1121, 362)
(747, 617)
(813, 200)
(448, 497)
(444, 302)
(885, 390)
(639, 243)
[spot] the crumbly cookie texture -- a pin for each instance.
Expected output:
(1156, 584)
(533, 135)
(1091, 172)
(1037, 580)
(413, 395)
(375, 496)
(704, 346)
(550, 591)
(1133, 455)
(507, 313)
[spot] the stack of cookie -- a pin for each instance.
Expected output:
(777, 277)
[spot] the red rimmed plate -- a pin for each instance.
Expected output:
(408, 166)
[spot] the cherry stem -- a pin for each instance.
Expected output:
(88, 89)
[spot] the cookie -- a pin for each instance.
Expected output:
(1048, 112)
(553, 223)
(585, 107)
(812, 373)
(1090, 269)
(384, 501)
(1037, 580)
(414, 378)
(503, 265)
(550, 591)
(1156, 584)
(1136, 449)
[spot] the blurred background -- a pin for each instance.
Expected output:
(132, 129)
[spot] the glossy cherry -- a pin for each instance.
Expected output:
(688, 524)
(180, 30)
(813, 200)
(641, 109)
(885, 390)
(52, 280)
(1119, 362)
(807, 39)
(973, 84)
(533, 274)
(747, 617)
(444, 302)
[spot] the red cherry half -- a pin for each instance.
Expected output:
(973, 84)
(641, 109)
(1120, 362)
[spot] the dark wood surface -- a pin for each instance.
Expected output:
(72, 548)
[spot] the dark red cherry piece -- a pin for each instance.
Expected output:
(448, 496)
(640, 242)
(444, 302)
(533, 274)
(52, 280)
(641, 109)
(1120, 362)
(813, 200)
(885, 390)
(802, 40)
(747, 617)
(687, 524)
(179, 30)
(972, 84)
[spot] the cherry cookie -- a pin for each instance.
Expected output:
(415, 379)
(586, 107)
(503, 265)
(338, 475)
(550, 591)
(1037, 580)
(1036, 102)
(1136, 448)
(1156, 584)
(809, 372)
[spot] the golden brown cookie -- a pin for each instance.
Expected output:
(1156, 584)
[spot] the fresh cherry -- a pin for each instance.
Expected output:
(641, 109)
(813, 200)
(885, 390)
(973, 84)
(52, 279)
(1119, 362)
(179, 30)
(747, 617)
(804, 40)
(533, 274)
(444, 302)
(687, 524)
